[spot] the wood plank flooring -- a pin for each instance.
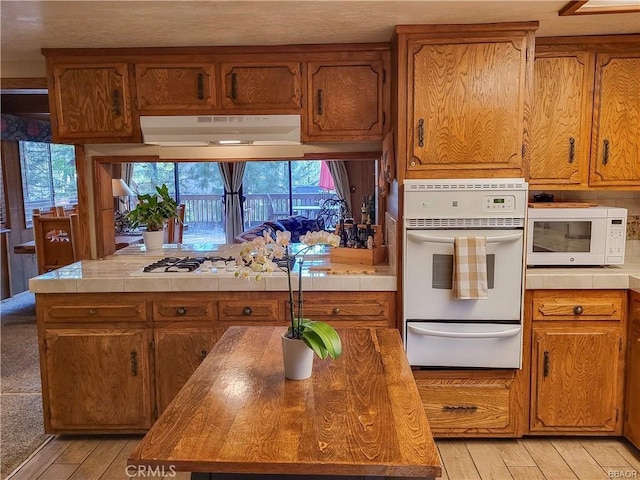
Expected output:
(550, 458)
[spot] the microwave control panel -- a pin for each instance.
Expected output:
(500, 203)
(616, 237)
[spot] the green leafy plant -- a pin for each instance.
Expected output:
(258, 256)
(153, 210)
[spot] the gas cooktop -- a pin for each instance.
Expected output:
(194, 265)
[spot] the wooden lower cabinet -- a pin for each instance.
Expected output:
(97, 379)
(577, 362)
(112, 362)
(178, 351)
(487, 403)
(632, 413)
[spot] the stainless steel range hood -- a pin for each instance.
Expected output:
(204, 130)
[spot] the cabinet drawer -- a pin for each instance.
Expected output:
(456, 407)
(124, 312)
(344, 310)
(250, 311)
(172, 311)
(585, 306)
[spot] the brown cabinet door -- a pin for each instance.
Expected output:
(560, 129)
(91, 102)
(575, 384)
(97, 379)
(466, 104)
(345, 101)
(615, 157)
(261, 87)
(632, 416)
(188, 87)
(178, 352)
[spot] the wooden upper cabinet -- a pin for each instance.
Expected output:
(561, 120)
(464, 110)
(264, 86)
(91, 102)
(345, 101)
(615, 157)
(173, 88)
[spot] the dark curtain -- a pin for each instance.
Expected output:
(25, 129)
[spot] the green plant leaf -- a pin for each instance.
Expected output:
(322, 338)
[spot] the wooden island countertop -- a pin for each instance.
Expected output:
(360, 415)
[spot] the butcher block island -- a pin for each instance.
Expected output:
(358, 415)
(118, 343)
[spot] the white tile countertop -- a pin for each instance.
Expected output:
(122, 272)
(621, 277)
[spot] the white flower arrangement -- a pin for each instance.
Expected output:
(259, 256)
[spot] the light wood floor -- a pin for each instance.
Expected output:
(105, 457)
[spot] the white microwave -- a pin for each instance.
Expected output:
(593, 235)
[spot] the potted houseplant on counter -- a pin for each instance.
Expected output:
(304, 337)
(153, 211)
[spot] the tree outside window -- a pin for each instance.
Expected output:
(48, 176)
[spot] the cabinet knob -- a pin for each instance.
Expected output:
(459, 408)
(247, 311)
(336, 311)
(572, 149)
(181, 311)
(577, 310)
(92, 311)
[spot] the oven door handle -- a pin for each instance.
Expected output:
(511, 332)
(431, 239)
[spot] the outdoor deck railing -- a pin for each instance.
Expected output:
(207, 210)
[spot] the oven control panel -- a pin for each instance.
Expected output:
(500, 203)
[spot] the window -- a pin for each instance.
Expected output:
(198, 185)
(48, 176)
(271, 190)
(275, 190)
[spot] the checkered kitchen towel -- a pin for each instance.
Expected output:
(470, 268)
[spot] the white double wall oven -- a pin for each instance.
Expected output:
(439, 329)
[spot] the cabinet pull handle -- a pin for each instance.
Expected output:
(572, 149)
(203, 354)
(134, 364)
(234, 86)
(605, 152)
(578, 310)
(421, 132)
(200, 86)
(459, 408)
(181, 311)
(115, 99)
(320, 102)
(247, 311)
(92, 311)
(336, 311)
(545, 365)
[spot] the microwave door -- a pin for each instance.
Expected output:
(565, 242)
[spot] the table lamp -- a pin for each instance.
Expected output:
(121, 189)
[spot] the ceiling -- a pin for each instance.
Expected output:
(28, 26)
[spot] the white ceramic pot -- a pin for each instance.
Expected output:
(153, 240)
(298, 358)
